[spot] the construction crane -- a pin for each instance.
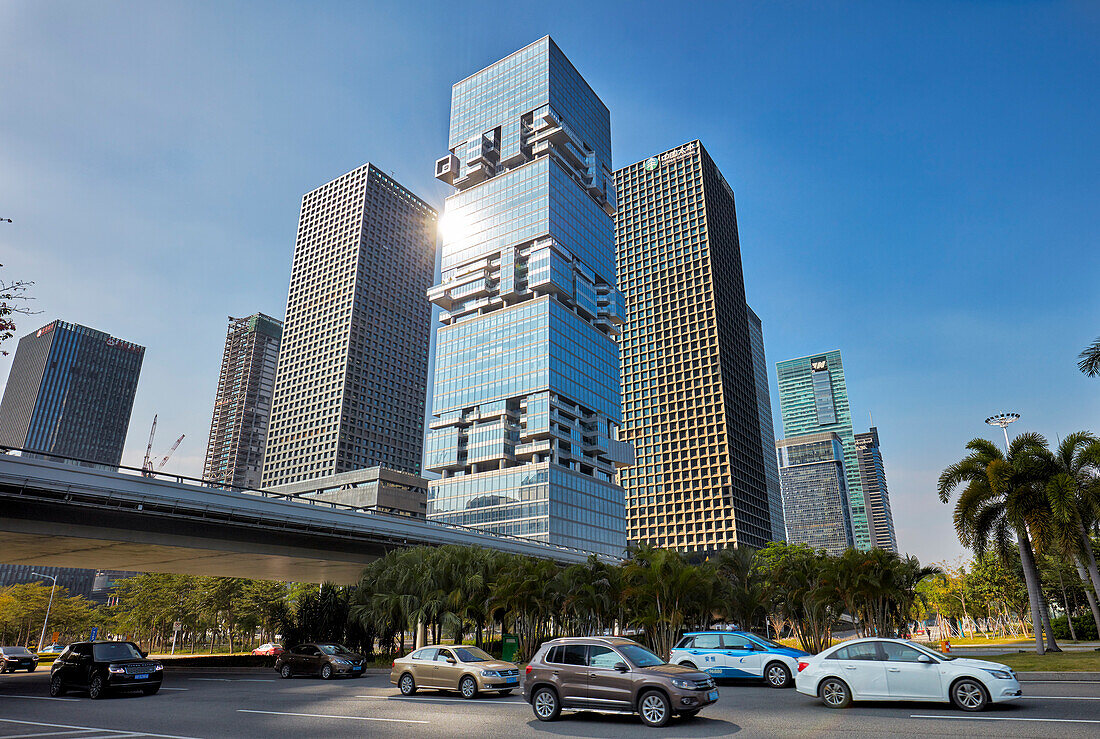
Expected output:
(147, 468)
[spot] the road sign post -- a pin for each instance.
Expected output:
(176, 626)
(95, 633)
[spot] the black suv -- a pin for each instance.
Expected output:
(104, 666)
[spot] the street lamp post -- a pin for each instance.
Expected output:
(48, 607)
(1002, 420)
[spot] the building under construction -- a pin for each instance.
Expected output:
(242, 406)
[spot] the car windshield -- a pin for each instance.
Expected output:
(767, 642)
(14, 650)
(640, 656)
(472, 654)
(334, 649)
(114, 651)
(926, 650)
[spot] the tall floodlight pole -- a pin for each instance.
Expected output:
(50, 605)
(1002, 420)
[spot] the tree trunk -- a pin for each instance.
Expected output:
(1031, 581)
(1088, 593)
(1090, 558)
(1069, 614)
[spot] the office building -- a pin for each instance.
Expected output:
(373, 489)
(70, 392)
(103, 586)
(353, 360)
(75, 580)
(767, 428)
(242, 404)
(813, 399)
(872, 476)
(691, 405)
(815, 500)
(526, 404)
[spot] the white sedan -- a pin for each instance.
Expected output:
(894, 669)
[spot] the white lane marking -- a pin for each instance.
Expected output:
(325, 715)
(414, 699)
(1081, 682)
(49, 733)
(1006, 718)
(36, 697)
(1061, 697)
(161, 689)
(85, 729)
(231, 679)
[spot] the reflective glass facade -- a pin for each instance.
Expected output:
(813, 398)
(526, 404)
(815, 501)
(70, 392)
(767, 428)
(872, 475)
(691, 390)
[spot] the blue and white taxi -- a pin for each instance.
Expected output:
(738, 654)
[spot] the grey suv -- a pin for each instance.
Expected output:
(612, 674)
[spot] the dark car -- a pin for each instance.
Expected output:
(325, 659)
(17, 658)
(105, 666)
(613, 674)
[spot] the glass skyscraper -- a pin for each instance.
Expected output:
(526, 404)
(767, 427)
(872, 475)
(242, 405)
(815, 500)
(692, 393)
(813, 398)
(70, 392)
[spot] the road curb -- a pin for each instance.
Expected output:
(1039, 677)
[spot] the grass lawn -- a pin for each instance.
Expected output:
(1049, 662)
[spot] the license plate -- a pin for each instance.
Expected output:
(712, 695)
(357, 668)
(511, 680)
(141, 677)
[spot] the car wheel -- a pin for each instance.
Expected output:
(654, 709)
(468, 687)
(835, 693)
(151, 690)
(777, 675)
(31, 668)
(326, 671)
(505, 692)
(57, 689)
(969, 695)
(95, 688)
(690, 714)
(546, 705)
(285, 672)
(407, 684)
(689, 665)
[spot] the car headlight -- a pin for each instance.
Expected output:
(1000, 674)
(341, 661)
(157, 667)
(116, 670)
(685, 684)
(490, 673)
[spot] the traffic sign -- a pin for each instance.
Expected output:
(177, 626)
(95, 633)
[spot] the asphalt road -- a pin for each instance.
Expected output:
(256, 703)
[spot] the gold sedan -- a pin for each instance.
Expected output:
(468, 670)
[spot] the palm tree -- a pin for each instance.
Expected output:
(1074, 495)
(743, 584)
(1089, 360)
(1004, 495)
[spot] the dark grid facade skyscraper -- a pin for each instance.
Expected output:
(813, 398)
(242, 405)
(353, 362)
(767, 427)
(70, 392)
(691, 405)
(872, 476)
(527, 402)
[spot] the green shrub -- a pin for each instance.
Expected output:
(1083, 625)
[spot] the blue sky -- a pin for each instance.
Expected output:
(917, 183)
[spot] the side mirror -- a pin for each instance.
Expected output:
(144, 655)
(451, 660)
(925, 659)
(621, 667)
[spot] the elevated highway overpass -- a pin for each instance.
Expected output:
(64, 515)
